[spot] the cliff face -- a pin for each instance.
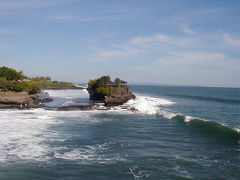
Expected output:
(16, 99)
(119, 99)
(96, 96)
(12, 99)
(115, 98)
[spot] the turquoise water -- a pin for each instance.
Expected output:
(178, 133)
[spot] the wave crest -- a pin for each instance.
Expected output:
(149, 105)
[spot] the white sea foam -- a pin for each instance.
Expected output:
(25, 134)
(90, 154)
(188, 118)
(138, 174)
(67, 103)
(151, 105)
(237, 129)
(68, 93)
(143, 104)
(21, 134)
(85, 87)
(67, 97)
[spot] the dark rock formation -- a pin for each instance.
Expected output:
(42, 97)
(111, 93)
(42, 100)
(96, 96)
(75, 108)
(116, 99)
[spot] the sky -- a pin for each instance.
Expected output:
(177, 42)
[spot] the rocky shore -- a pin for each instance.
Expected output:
(21, 100)
(111, 93)
(76, 108)
(90, 108)
(116, 99)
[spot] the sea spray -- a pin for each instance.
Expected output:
(150, 105)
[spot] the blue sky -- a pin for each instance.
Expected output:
(179, 42)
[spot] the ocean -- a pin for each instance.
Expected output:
(177, 133)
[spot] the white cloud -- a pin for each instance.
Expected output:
(159, 38)
(197, 50)
(156, 43)
(202, 57)
(188, 30)
(194, 58)
(150, 39)
(231, 41)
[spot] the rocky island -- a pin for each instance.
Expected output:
(111, 93)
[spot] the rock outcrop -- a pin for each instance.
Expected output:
(23, 100)
(116, 99)
(75, 107)
(111, 93)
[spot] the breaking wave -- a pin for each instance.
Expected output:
(154, 106)
(210, 127)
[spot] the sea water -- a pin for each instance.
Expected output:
(177, 133)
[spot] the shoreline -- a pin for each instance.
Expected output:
(10, 100)
(22, 100)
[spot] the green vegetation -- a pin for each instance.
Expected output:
(4, 84)
(117, 82)
(103, 86)
(11, 74)
(100, 86)
(45, 82)
(29, 87)
(12, 80)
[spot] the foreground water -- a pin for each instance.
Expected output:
(178, 133)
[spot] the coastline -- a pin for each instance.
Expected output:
(85, 136)
(22, 100)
